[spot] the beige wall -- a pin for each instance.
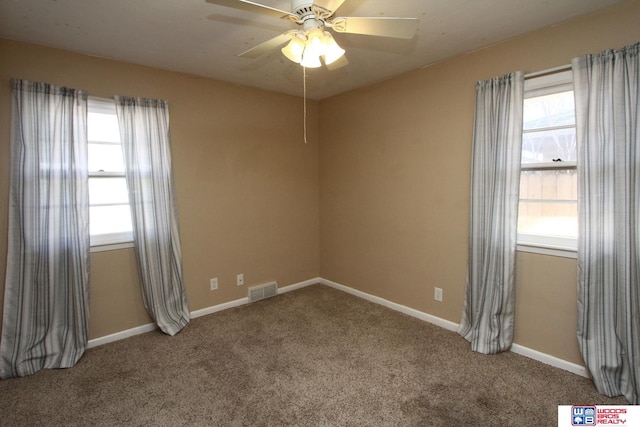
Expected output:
(394, 182)
(246, 183)
(385, 195)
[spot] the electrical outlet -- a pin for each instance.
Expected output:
(213, 283)
(240, 279)
(437, 295)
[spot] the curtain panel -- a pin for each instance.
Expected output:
(607, 91)
(144, 129)
(45, 322)
(487, 317)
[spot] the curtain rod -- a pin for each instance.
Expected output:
(554, 70)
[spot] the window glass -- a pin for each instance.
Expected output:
(556, 109)
(103, 127)
(548, 203)
(105, 158)
(107, 220)
(108, 190)
(544, 146)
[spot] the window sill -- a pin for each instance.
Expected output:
(551, 250)
(111, 247)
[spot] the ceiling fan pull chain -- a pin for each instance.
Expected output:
(304, 100)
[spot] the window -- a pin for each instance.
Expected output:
(109, 212)
(548, 210)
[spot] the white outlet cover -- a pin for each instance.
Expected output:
(240, 279)
(213, 284)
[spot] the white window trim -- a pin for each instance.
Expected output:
(112, 241)
(556, 246)
(546, 82)
(101, 105)
(548, 166)
(102, 247)
(543, 250)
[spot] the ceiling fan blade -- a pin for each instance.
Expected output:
(254, 7)
(402, 28)
(269, 45)
(331, 5)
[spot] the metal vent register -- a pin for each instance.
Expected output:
(259, 292)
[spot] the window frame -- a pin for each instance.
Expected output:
(536, 85)
(111, 241)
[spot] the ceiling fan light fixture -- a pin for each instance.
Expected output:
(315, 43)
(332, 52)
(309, 60)
(295, 49)
(307, 49)
(313, 49)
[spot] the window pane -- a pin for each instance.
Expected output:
(544, 146)
(548, 111)
(109, 219)
(548, 203)
(106, 158)
(108, 190)
(103, 127)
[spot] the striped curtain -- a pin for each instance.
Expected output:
(144, 130)
(45, 320)
(487, 317)
(607, 91)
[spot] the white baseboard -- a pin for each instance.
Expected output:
(194, 314)
(245, 300)
(219, 307)
(446, 324)
(550, 360)
(452, 326)
(121, 335)
(299, 285)
(443, 323)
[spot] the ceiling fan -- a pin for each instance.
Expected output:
(308, 44)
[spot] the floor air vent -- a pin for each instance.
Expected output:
(267, 290)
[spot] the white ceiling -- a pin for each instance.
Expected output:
(203, 39)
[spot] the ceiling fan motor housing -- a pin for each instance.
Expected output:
(302, 7)
(310, 15)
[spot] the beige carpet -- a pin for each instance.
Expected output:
(312, 357)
